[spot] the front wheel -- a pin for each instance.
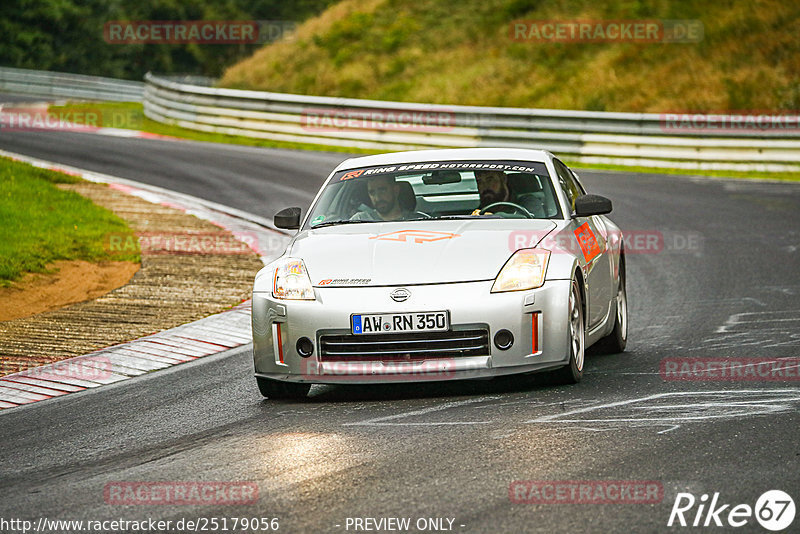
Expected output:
(275, 389)
(572, 373)
(616, 341)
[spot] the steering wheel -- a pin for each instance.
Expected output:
(516, 207)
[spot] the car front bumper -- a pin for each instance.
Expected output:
(539, 344)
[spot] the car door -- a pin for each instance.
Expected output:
(591, 249)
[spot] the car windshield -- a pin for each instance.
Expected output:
(437, 190)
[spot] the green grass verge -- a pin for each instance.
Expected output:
(131, 115)
(42, 223)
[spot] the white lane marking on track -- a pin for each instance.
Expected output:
(794, 394)
(383, 421)
(642, 412)
(757, 318)
(763, 329)
(724, 404)
(789, 290)
(597, 372)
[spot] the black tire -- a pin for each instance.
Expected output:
(572, 373)
(616, 341)
(275, 389)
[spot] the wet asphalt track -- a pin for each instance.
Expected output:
(726, 284)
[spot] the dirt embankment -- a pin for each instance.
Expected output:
(190, 269)
(67, 283)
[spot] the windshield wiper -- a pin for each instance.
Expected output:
(332, 223)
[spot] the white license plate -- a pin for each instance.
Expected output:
(390, 323)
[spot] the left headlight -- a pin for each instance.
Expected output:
(524, 270)
(291, 281)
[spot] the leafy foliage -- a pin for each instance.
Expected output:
(67, 35)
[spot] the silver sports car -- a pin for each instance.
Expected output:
(440, 265)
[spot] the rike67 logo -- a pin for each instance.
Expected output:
(774, 510)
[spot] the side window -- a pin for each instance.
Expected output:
(577, 181)
(567, 183)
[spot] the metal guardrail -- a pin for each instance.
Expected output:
(586, 136)
(589, 137)
(63, 85)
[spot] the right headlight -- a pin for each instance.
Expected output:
(291, 281)
(525, 269)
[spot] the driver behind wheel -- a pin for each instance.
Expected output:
(493, 187)
(384, 193)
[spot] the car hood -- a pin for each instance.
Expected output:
(405, 253)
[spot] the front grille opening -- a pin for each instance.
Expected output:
(412, 346)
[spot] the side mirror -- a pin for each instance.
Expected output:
(288, 218)
(586, 205)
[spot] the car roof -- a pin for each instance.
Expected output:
(448, 154)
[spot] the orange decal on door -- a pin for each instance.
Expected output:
(587, 241)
